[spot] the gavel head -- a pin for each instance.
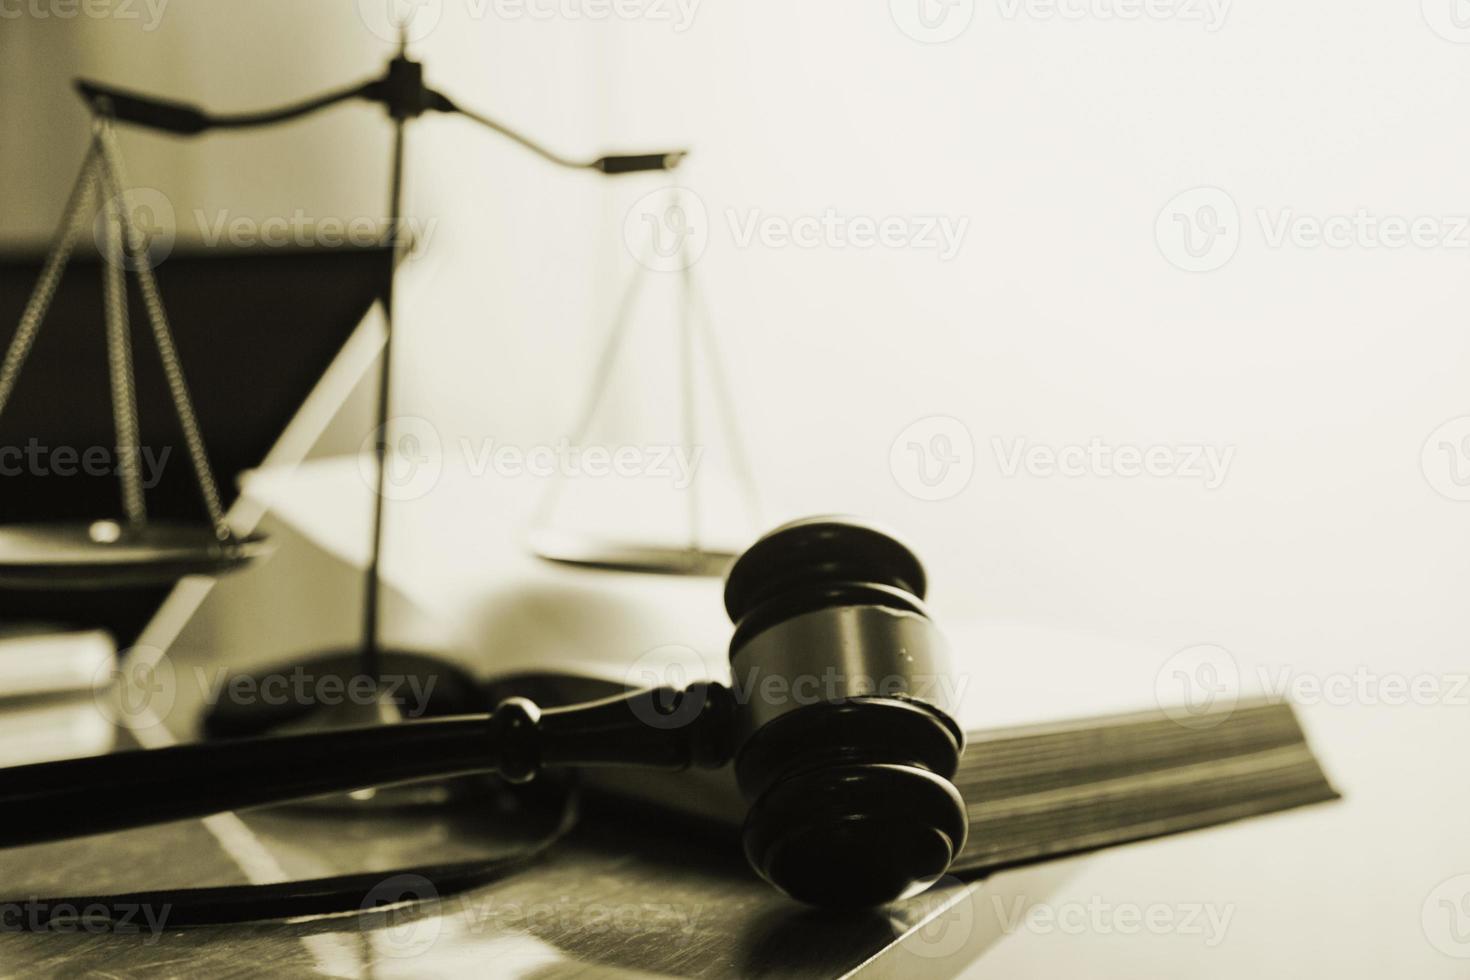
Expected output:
(844, 745)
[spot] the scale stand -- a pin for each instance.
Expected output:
(133, 552)
(402, 92)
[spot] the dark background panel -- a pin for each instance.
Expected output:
(255, 330)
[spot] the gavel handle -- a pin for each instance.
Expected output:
(55, 800)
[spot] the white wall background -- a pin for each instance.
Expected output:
(1058, 139)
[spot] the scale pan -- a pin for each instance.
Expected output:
(591, 552)
(105, 555)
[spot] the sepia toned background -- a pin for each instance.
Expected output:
(1235, 232)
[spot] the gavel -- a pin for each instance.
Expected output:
(841, 747)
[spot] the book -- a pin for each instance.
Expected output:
(1041, 791)
(54, 690)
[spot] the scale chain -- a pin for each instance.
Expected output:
(120, 357)
(695, 326)
(725, 402)
(172, 369)
(601, 378)
(688, 388)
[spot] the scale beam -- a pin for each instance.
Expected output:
(400, 90)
